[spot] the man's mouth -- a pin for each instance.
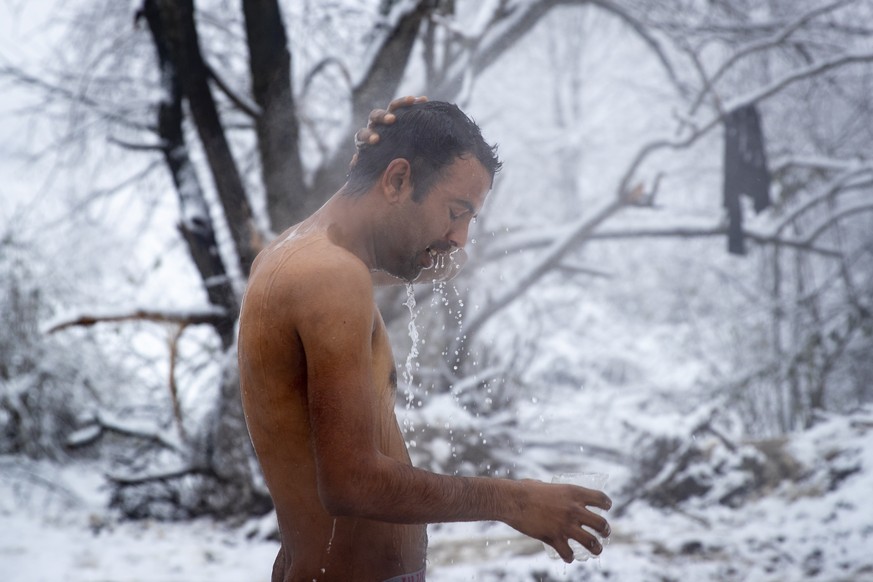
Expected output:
(431, 256)
(438, 264)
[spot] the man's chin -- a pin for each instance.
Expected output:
(407, 276)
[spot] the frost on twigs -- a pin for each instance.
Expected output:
(705, 469)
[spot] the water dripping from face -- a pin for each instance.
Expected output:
(444, 266)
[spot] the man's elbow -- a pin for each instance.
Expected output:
(347, 493)
(337, 501)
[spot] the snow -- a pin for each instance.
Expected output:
(55, 526)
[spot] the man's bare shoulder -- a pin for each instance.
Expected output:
(311, 268)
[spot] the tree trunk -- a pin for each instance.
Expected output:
(196, 225)
(277, 126)
(177, 17)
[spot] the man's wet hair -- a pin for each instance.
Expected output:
(430, 136)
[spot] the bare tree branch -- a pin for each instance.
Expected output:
(242, 103)
(174, 390)
(136, 147)
(120, 118)
(321, 66)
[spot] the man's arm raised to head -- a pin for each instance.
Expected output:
(356, 479)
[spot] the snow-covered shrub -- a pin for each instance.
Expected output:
(41, 391)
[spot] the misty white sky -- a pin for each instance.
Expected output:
(26, 38)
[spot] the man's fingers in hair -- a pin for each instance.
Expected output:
(405, 102)
(380, 117)
(386, 116)
(369, 135)
(366, 136)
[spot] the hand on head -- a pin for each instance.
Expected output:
(367, 136)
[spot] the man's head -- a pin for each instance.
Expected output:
(430, 136)
(429, 174)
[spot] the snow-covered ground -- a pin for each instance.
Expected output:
(819, 526)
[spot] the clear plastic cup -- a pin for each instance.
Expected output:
(590, 481)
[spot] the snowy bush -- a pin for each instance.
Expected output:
(42, 390)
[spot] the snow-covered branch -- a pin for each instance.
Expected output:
(530, 240)
(210, 314)
(506, 25)
(470, 382)
(167, 475)
(143, 430)
(820, 163)
(812, 70)
(833, 219)
(841, 184)
(749, 98)
(551, 257)
(645, 34)
(560, 244)
(771, 41)
(136, 147)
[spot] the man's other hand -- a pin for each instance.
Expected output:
(555, 514)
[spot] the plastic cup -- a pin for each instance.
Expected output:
(590, 481)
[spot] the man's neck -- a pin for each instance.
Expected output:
(347, 220)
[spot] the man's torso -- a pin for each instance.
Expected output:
(274, 394)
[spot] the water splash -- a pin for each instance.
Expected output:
(411, 358)
(444, 268)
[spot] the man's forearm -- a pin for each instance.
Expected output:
(387, 490)
(399, 493)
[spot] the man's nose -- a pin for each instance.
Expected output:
(458, 234)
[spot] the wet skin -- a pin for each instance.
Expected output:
(279, 408)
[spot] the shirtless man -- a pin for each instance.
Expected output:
(318, 376)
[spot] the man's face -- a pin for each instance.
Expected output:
(439, 223)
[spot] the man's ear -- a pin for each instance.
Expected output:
(396, 180)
